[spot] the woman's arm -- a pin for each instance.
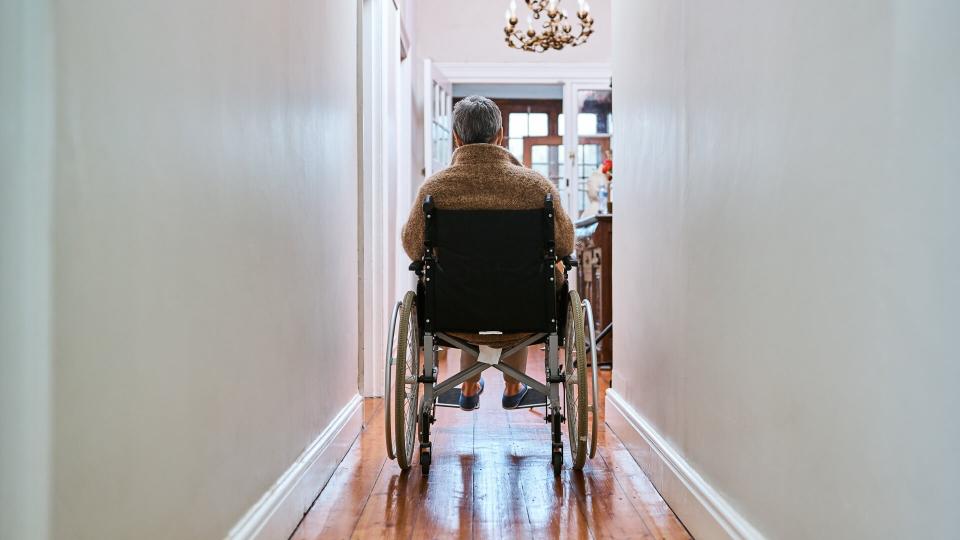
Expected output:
(413, 229)
(562, 226)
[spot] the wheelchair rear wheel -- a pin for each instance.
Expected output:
(594, 407)
(575, 382)
(406, 386)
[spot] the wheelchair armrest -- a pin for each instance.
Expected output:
(570, 262)
(416, 267)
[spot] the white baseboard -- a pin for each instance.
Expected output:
(701, 509)
(281, 508)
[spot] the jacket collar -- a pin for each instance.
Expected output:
(470, 154)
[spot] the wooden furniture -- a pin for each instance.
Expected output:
(594, 243)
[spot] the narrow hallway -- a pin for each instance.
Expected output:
(490, 478)
(215, 261)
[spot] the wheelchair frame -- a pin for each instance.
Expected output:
(423, 410)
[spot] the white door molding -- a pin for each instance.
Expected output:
(380, 56)
(524, 72)
(437, 109)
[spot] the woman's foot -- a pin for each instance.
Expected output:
(512, 399)
(470, 395)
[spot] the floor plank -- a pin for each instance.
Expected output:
(490, 478)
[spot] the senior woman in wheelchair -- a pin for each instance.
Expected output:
(483, 175)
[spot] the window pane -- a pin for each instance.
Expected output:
(518, 125)
(542, 168)
(587, 124)
(538, 124)
(540, 153)
(560, 124)
(516, 147)
(598, 103)
(590, 154)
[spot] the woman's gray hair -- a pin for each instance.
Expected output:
(476, 119)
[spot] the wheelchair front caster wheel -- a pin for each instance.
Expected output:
(557, 463)
(425, 463)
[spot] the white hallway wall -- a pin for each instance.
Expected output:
(26, 146)
(787, 262)
(204, 326)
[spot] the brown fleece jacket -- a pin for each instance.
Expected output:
(486, 177)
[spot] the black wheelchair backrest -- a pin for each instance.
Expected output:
(489, 270)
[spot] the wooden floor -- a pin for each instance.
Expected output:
(490, 478)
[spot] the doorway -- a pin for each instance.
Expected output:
(533, 127)
(569, 104)
(559, 122)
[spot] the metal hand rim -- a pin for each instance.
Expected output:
(588, 309)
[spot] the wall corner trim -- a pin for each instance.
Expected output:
(280, 509)
(703, 511)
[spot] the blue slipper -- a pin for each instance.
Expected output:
(511, 402)
(469, 403)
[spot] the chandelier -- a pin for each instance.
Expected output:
(556, 31)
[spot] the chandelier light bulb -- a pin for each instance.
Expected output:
(529, 22)
(586, 7)
(506, 15)
(513, 8)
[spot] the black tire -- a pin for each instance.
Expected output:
(406, 387)
(556, 436)
(425, 463)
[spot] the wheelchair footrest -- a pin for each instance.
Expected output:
(533, 398)
(450, 398)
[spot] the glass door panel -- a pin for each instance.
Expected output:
(545, 155)
(437, 121)
(594, 129)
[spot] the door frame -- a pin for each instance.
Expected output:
(432, 75)
(379, 288)
(383, 174)
(573, 77)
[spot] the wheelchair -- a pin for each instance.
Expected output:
(489, 272)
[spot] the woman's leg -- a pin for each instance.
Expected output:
(471, 386)
(517, 361)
